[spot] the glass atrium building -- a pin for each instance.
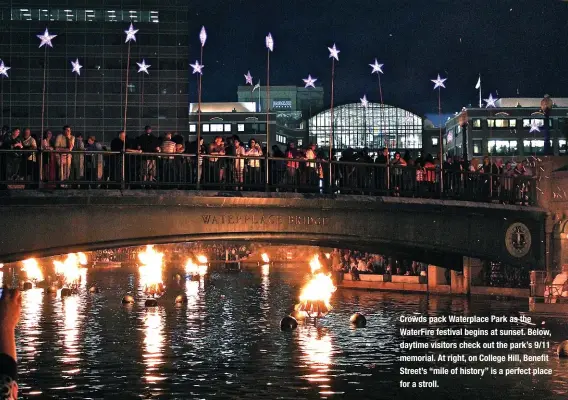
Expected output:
(374, 127)
(92, 31)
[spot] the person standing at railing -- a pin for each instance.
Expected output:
(167, 166)
(121, 144)
(191, 148)
(12, 160)
(382, 161)
(254, 171)
(292, 166)
(49, 159)
(78, 162)
(215, 167)
(29, 169)
(312, 176)
(93, 162)
(64, 143)
(397, 164)
(148, 143)
(239, 163)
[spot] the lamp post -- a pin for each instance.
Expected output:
(463, 121)
(546, 106)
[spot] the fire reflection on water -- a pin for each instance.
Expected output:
(153, 320)
(32, 301)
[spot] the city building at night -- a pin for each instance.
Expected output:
(515, 127)
(375, 126)
(92, 32)
(237, 118)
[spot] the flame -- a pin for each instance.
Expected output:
(193, 269)
(265, 258)
(82, 258)
(151, 269)
(69, 269)
(202, 259)
(32, 269)
(315, 264)
(328, 255)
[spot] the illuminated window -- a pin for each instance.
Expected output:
(534, 146)
(82, 15)
(434, 141)
(281, 139)
(241, 127)
(503, 147)
(477, 147)
(562, 148)
(501, 123)
(527, 123)
(300, 142)
(192, 128)
(477, 123)
(216, 127)
(227, 127)
(205, 127)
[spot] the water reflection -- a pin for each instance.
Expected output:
(316, 346)
(153, 321)
(71, 343)
(32, 301)
(265, 291)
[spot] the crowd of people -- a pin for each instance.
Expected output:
(171, 161)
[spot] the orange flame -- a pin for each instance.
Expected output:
(316, 294)
(69, 269)
(151, 269)
(202, 259)
(315, 264)
(32, 269)
(265, 258)
(193, 269)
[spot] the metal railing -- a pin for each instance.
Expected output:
(32, 169)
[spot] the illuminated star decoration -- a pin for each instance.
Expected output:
(364, 101)
(248, 78)
(131, 33)
(490, 101)
(333, 52)
(4, 69)
(202, 36)
(270, 42)
(310, 81)
(378, 68)
(439, 82)
(143, 67)
(76, 67)
(46, 39)
(534, 126)
(197, 68)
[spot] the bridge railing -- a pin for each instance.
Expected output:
(104, 169)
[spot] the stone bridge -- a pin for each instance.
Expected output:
(440, 232)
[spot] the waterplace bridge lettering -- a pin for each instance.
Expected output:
(211, 219)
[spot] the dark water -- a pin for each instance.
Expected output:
(226, 343)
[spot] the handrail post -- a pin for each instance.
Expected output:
(388, 178)
(199, 167)
(123, 171)
(40, 164)
(267, 170)
(330, 175)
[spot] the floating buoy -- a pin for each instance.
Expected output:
(128, 299)
(288, 323)
(563, 349)
(181, 299)
(27, 286)
(151, 303)
(94, 289)
(66, 292)
(358, 320)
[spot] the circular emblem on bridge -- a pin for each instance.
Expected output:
(518, 240)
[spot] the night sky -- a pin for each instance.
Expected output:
(515, 45)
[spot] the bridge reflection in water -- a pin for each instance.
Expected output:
(226, 342)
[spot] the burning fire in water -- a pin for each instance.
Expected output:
(32, 269)
(202, 259)
(69, 269)
(265, 258)
(151, 270)
(193, 269)
(316, 295)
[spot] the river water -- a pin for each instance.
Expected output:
(226, 343)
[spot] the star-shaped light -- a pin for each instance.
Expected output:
(490, 101)
(143, 67)
(203, 36)
(131, 33)
(364, 101)
(76, 67)
(333, 52)
(269, 42)
(248, 78)
(197, 68)
(534, 126)
(46, 39)
(378, 68)
(439, 82)
(310, 81)
(4, 69)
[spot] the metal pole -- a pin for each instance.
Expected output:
(43, 91)
(331, 128)
(441, 144)
(126, 92)
(267, 168)
(199, 166)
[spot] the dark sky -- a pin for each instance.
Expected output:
(514, 44)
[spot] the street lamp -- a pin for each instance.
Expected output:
(546, 106)
(463, 121)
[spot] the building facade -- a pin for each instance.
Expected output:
(92, 31)
(374, 127)
(506, 129)
(237, 118)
